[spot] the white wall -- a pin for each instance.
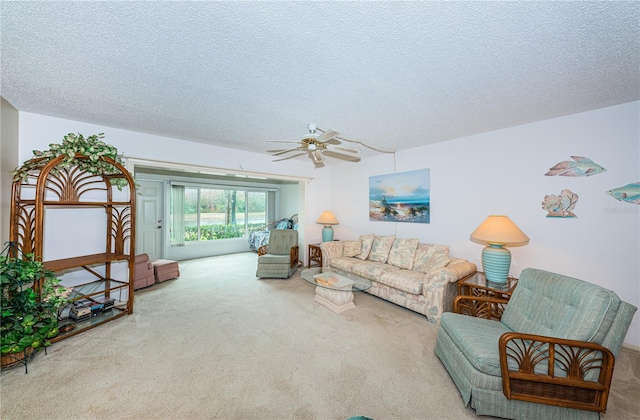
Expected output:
(319, 200)
(8, 162)
(38, 131)
(497, 172)
(288, 200)
(502, 172)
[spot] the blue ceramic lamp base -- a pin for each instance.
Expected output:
(496, 261)
(327, 234)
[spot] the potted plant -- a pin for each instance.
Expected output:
(28, 315)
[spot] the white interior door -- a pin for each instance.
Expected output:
(149, 223)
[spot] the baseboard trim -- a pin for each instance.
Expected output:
(631, 347)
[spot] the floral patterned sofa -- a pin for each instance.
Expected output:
(420, 277)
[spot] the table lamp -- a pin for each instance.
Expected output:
(498, 231)
(327, 219)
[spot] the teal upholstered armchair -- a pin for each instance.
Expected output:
(551, 355)
(279, 259)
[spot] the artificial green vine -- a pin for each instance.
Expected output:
(92, 147)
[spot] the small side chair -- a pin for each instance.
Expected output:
(279, 259)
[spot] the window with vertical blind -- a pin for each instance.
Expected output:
(201, 213)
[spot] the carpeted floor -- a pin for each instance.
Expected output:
(220, 343)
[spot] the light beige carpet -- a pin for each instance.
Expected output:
(220, 343)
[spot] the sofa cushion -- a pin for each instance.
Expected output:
(551, 304)
(371, 270)
(403, 253)
(380, 248)
(352, 248)
(481, 350)
(367, 242)
(405, 280)
(430, 256)
(344, 263)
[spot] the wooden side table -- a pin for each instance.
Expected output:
(476, 286)
(315, 255)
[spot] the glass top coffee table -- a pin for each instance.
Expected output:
(334, 291)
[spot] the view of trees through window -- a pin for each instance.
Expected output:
(219, 213)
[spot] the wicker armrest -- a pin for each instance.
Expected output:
(480, 306)
(294, 255)
(555, 371)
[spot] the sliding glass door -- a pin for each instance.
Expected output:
(206, 213)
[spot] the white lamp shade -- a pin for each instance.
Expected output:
(327, 218)
(498, 229)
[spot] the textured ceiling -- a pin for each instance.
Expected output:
(392, 74)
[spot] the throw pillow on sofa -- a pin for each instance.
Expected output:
(366, 241)
(380, 248)
(352, 248)
(430, 256)
(403, 253)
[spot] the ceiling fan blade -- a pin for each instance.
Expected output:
(342, 149)
(377, 149)
(342, 156)
(289, 157)
(316, 145)
(327, 135)
(283, 141)
(280, 152)
(317, 156)
(316, 163)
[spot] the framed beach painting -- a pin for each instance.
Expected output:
(400, 197)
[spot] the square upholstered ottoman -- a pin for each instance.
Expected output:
(165, 270)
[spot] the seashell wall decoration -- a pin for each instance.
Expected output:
(560, 205)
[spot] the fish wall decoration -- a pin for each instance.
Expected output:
(560, 205)
(581, 166)
(630, 193)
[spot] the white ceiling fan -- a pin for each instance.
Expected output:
(316, 144)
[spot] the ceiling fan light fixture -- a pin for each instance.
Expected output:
(318, 141)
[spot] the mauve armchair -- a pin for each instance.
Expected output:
(143, 272)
